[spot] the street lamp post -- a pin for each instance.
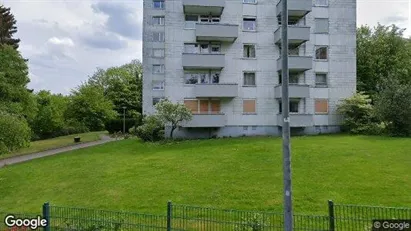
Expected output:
(288, 213)
(124, 120)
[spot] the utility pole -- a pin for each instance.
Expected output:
(288, 212)
(124, 120)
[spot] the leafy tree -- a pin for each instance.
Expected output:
(172, 114)
(15, 98)
(50, 120)
(382, 53)
(8, 28)
(152, 129)
(393, 107)
(89, 106)
(123, 86)
(14, 133)
(358, 114)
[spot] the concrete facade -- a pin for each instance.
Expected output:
(166, 63)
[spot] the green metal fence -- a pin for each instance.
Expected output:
(189, 218)
(360, 217)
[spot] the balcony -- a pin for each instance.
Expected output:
(296, 8)
(297, 63)
(203, 61)
(213, 7)
(297, 120)
(223, 90)
(294, 91)
(216, 32)
(206, 120)
(297, 35)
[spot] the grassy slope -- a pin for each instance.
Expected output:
(242, 173)
(42, 145)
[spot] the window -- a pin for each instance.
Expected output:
(321, 106)
(321, 53)
(215, 49)
(156, 101)
(203, 106)
(291, 20)
(159, 53)
(321, 2)
(158, 20)
(320, 79)
(249, 24)
(295, 51)
(245, 128)
(292, 78)
(158, 69)
(321, 25)
(254, 128)
(249, 51)
(249, 106)
(158, 36)
(203, 77)
(250, 1)
(203, 48)
(294, 104)
(249, 79)
(158, 4)
(191, 21)
(158, 85)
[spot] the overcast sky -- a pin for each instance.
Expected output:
(66, 40)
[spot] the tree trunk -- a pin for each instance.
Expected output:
(172, 131)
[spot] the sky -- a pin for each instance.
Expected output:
(67, 40)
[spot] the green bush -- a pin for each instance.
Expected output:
(152, 129)
(393, 107)
(15, 133)
(116, 125)
(359, 115)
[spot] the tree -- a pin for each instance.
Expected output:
(382, 53)
(393, 107)
(172, 114)
(14, 133)
(358, 114)
(8, 28)
(152, 129)
(15, 98)
(89, 106)
(123, 86)
(49, 121)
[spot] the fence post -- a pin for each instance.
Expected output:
(46, 215)
(331, 214)
(169, 215)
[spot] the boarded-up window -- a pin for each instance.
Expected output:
(215, 106)
(192, 105)
(204, 106)
(249, 106)
(321, 106)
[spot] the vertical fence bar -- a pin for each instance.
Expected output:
(331, 215)
(169, 214)
(46, 215)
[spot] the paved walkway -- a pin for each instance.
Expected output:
(18, 159)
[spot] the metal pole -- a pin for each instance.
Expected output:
(288, 213)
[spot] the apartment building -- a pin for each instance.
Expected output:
(222, 59)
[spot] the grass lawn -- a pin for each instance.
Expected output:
(238, 173)
(42, 145)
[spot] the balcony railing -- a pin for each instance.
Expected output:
(228, 90)
(297, 63)
(216, 32)
(204, 7)
(297, 35)
(297, 120)
(206, 120)
(294, 91)
(203, 61)
(296, 8)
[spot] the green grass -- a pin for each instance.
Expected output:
(43, 145)
(240, 173)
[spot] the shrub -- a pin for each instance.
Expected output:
(116, 125)
(393, 107)
(358, 115)
(15, 133)
(152, 129)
